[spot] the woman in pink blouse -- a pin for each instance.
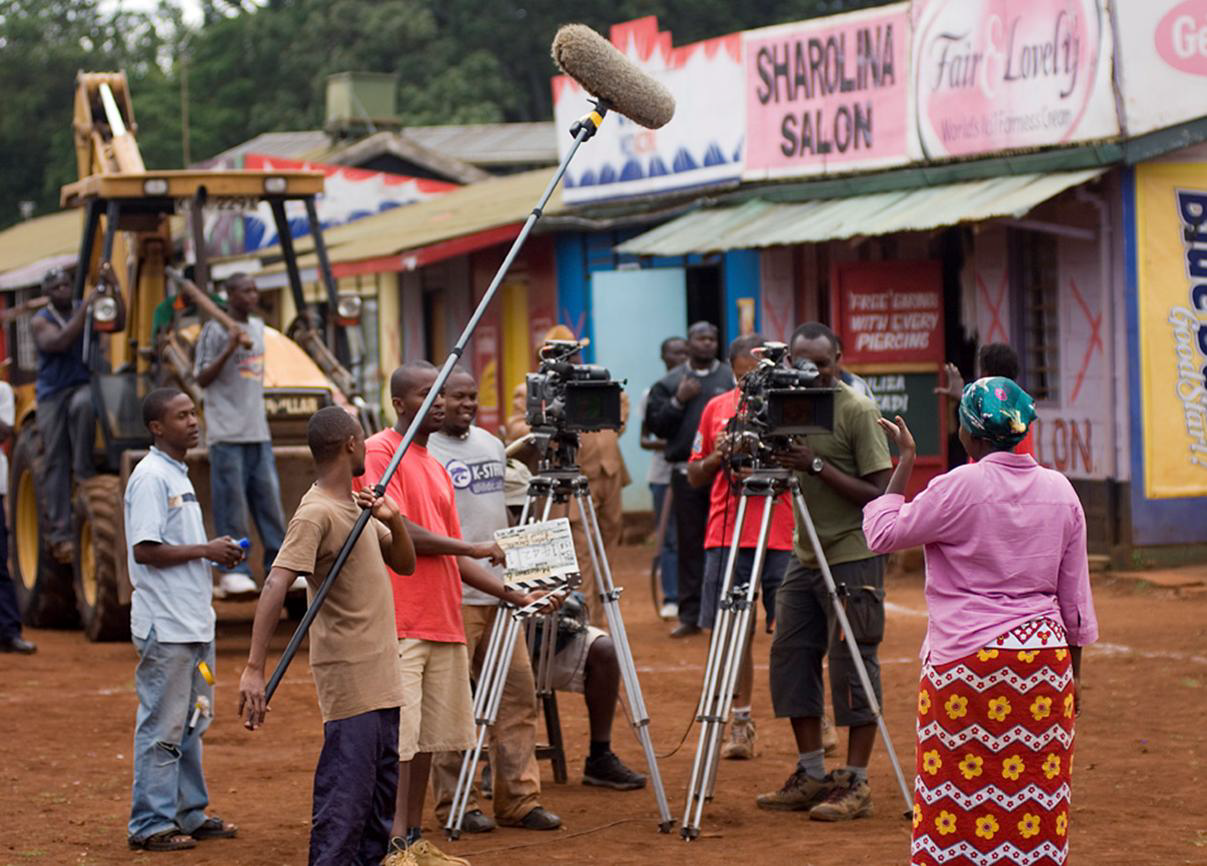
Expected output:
(1008, 593)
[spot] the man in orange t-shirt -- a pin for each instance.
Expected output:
(437, 713)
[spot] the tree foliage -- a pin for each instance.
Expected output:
(254, 66)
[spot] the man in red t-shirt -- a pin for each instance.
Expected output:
(437, 712)
(708, 455)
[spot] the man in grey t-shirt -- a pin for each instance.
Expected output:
(476, 462)
(229, 366)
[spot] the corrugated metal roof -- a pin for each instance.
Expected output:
(764, 224)
(480, 144)
(492, 144)
(29, 248)
(302, 144)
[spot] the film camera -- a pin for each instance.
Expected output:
(778, 402)
(564, 397)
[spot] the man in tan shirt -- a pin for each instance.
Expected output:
(601, 462)
(353, 649)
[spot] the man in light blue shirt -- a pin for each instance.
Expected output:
(172, 623)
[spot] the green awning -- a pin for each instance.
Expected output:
(767, 224)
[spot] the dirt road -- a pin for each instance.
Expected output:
(66, 720)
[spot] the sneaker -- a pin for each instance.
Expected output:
(607, 771)
(740, 744)
(847, 800)
(670, 610)
(829, 736)
(799, 793)
(298, 585)
(424, 853)
(235, 584)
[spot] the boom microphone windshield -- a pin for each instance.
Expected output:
(606, 74)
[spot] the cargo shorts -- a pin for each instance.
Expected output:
(807, 628)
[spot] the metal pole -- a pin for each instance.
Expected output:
(584, 132)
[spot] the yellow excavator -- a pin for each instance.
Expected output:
(127, 245)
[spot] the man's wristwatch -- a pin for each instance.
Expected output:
(816, 466)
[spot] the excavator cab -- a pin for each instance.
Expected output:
(125, 255)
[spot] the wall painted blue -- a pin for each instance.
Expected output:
(573, 287)
(741, 279)
(1154, 521)
(580, 254)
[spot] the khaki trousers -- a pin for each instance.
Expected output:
(516, 775)
(606, 492)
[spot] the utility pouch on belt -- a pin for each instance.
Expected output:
(864, 606)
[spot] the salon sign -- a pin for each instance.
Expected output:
(993, 75)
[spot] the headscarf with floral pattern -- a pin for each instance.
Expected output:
(998, 410)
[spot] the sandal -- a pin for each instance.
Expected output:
(164, 840)
(214, 827)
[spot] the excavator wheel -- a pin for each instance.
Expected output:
(102, 614)
(43, 584)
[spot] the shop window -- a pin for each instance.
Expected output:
(1036, 291)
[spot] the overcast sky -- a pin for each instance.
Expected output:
(192, 8)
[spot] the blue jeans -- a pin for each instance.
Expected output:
(243, 477)
(775, 563)
(169, 788)
(668, 557)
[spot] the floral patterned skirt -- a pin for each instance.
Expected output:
(995, 753)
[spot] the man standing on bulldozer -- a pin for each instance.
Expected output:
(229, 366)
(66, 421)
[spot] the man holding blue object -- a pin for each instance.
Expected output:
(172, 624)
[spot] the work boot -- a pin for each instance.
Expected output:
(477, 821)
(740, 744)
(849, 799)
(829, 736)
(799, 793)
(607, 771)
(539, 818)
(424, 853)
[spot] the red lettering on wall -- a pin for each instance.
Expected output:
(1065, 444)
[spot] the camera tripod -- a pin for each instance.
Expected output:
(558, 481)
(504, 634)
(731, 631)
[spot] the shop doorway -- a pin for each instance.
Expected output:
(705, 291)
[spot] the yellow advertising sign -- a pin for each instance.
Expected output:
(1171, 240)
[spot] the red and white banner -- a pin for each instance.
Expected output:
(992, 75)
(701, 146)
(348, 195)
(828, 94)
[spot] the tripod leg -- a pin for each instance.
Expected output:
(624, 653)
(729, 672)
(707, 709)
(491, 683)
(849, 635)
(737, 642)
